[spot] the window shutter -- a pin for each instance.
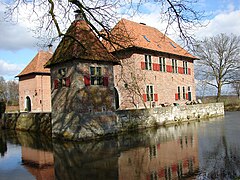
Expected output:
(105, 81)
(169, 68)
(155, 97)
(145, 97)
(176, 96)
(186, 96)
(156, 67)
(87, 80)
(67, 80)
(189, 71)
(180, 70)
(143, 65)
(55, 83)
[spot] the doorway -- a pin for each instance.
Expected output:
(28, 104)
(116, 98)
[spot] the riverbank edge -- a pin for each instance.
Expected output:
(107, 124)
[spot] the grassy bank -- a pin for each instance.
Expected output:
(231, 103)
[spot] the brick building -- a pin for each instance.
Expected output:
(34, 85)
(82, 78)
(154, 69)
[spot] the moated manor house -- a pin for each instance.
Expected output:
(146, 69)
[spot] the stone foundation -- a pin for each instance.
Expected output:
(90, 126)
(81, 127)
(35, 122)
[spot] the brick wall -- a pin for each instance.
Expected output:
(131, 80)
(76, 102)
(37, 88)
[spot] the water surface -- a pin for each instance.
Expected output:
(199, 150)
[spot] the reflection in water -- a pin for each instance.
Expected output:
(3, 144)
(205, 150)
(38, 162)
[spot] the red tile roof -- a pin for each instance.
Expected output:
(37, 64)
(131, 34)
(89, 48)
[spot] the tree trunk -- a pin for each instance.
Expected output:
(219, 89)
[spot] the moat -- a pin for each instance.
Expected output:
(199, 150)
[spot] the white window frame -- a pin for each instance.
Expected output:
(150, 95)
(148, 62)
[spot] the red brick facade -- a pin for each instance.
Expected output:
(154, 69)
(37, 88)
(133, 79)
(34, 85)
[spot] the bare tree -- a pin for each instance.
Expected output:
(236, 88)
(132, 84)
(219, 60)
(12, 92)
(3, 89)
(53, 17)
(8, 91)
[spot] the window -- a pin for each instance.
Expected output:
(148, 62)
(149, 91)
(153, 175)
(162, 64)
(96, 77)
(189, 94)
(179, 92)
(174, 66)
(185, 67)
(62, 80)
(152, 152)
(184, 95)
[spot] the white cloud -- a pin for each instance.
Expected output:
(15, 37)
(222, 23)
(7, 69)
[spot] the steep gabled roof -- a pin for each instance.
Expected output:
(80, 43)
(37, 64)
(131, 34)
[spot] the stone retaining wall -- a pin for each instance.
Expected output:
(36, 122)
(80, 127)
(141, 118)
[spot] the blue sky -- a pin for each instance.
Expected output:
(18, 47)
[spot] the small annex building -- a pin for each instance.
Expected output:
(154, 70)
(82, 80)
(34, 85)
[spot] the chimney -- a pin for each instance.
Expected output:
(78, 15)
(50, 48)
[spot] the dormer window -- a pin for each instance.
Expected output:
(145, 37)
(173, 45)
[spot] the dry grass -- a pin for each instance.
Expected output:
(231, 103)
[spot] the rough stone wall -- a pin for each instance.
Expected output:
(165, 83)
(77, 107)
(35, 122)
(79, 127)
(37, 88)
(141, 118)
(75, 126)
